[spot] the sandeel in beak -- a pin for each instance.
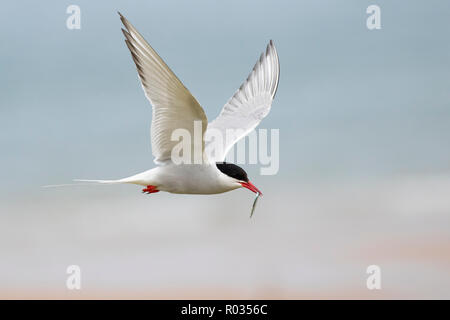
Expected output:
(254, 203)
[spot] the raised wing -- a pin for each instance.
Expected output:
(246, 108)
(174, 107)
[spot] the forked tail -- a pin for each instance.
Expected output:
(101, 181)
(85, 182)
(140, 179)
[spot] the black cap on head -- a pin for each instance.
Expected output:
(232, 170)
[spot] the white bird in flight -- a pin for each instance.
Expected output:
(174, 107)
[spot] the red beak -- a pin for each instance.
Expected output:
(251, 187)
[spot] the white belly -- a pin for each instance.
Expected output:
(188, 179)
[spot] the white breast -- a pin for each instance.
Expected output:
(188, 179)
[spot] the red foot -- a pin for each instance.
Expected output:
(150, 189)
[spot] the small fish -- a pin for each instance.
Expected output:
(254, 203)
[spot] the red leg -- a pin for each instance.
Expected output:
(150, 189)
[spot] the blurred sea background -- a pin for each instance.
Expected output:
(364, 120)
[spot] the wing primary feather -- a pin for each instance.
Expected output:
(174, 107)
(251, 102)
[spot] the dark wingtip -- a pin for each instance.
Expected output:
(125, 33)
(122, 18)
